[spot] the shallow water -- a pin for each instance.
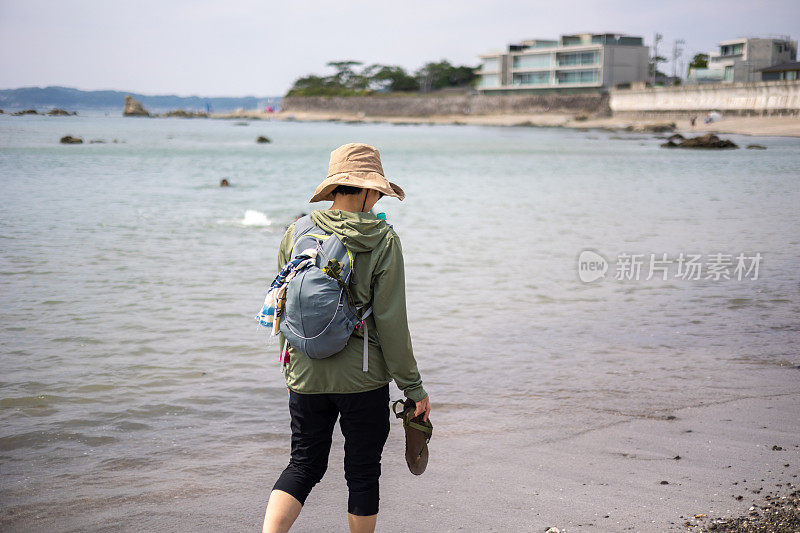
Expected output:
(132, 366)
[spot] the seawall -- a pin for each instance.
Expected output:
(461, 104)
(764, 98)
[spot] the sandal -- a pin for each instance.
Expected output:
(418, 435)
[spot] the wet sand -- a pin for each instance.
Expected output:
(764, 126)
(617, 472)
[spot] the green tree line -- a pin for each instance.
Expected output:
(352, 78)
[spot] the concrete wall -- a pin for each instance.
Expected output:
(624, 64)
(758, 98)
(462, 104)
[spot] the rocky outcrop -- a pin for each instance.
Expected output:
(26, 112)
(56, 112)
(652, 128)
(708, 140)
(134, 108)
(180, 113)
(756, 147)
(263, 140)
(69, 139)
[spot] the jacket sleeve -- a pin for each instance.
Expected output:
(285, 248)
(391, 321)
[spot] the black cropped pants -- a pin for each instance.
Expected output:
(365, 425)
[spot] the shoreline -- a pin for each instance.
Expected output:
(774, 126)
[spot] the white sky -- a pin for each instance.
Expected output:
(248, 47)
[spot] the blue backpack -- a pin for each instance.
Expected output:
(319, 315)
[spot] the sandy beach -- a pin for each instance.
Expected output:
(782, 126)
(678, 470)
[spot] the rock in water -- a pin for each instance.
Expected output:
(652, 128)
(69, 139)
(756, 147)
(134, 108)
(261, 139)
(709, 140)
(180, 113)
(60, 113)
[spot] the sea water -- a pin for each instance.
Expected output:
(133, 371)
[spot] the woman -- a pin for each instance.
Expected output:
(320, 390)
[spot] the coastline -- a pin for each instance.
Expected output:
(774, 126)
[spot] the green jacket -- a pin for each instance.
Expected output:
(378, 278)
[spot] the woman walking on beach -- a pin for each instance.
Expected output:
(353, 384)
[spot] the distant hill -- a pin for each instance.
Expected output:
(46, 98)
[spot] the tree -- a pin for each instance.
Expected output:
(345, 76)
(390, 78)
(699, 61)
(434, 76)
(347, 81)
(653, 64)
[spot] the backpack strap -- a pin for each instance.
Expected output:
(302, 226)
(365, 360)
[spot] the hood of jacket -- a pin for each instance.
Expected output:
(359, 232)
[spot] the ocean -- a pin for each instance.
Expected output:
(136, 386)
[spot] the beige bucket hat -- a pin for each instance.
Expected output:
(356, 165)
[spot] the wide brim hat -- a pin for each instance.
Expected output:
(356, 165)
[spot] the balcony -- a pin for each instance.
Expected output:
(578, 59)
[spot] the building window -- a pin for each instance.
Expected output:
(791, 75)
(489, 80)
(491, 65)
(532, 78)
(578, 76)
(578, 58)
(728, 73)
(532, 61)
(732, 49)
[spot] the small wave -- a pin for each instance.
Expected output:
(255, 218)
(252, 219)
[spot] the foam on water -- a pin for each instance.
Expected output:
(255, 218)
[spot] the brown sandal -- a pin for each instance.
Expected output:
(418, 435)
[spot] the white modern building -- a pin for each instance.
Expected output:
(743, 59)
(573, 63)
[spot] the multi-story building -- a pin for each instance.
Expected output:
(743, 59)
(781, 72)
(573, 63)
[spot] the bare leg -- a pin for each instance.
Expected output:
(361, 524)
(282, 510)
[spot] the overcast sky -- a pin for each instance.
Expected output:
(244, 47)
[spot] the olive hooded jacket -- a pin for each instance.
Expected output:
(378, 279)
